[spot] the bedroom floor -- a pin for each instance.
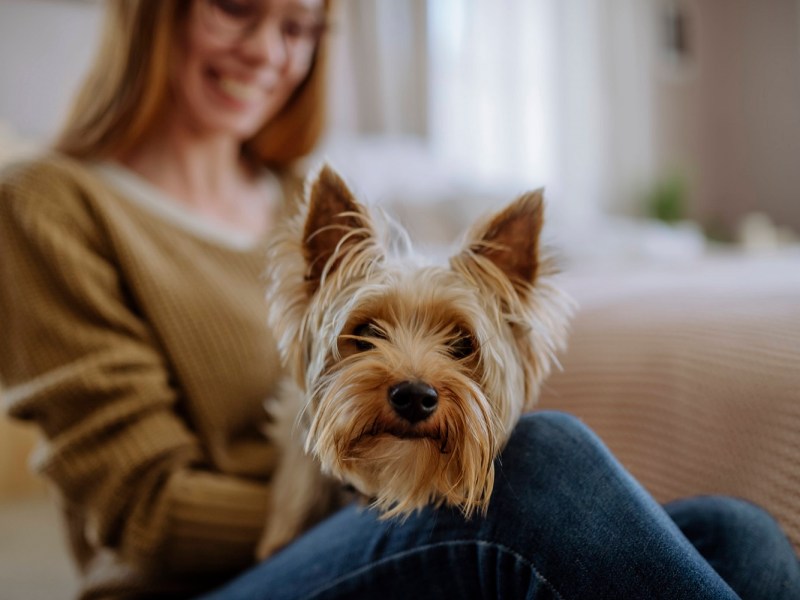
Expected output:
(33, 559)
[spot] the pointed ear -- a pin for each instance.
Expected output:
(510, 239)
(335, 222)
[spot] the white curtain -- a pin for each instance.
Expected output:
(491, 92)
(512, 93)
(380, 73)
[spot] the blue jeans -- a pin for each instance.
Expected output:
(565, 521)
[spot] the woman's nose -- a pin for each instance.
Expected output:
(266, 44)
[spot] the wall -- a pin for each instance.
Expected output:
(45, 47)
(731, 118)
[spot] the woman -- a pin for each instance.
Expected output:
(138, 248)
(134, 337)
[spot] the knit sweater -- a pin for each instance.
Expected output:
(134, 336)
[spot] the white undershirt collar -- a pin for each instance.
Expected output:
(146, 195)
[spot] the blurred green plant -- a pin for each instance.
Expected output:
(667, 200)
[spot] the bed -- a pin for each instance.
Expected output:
(690, 372)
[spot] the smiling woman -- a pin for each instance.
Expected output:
(127, 93)
(155, 205)
(223, 82)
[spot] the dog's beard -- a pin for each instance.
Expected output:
(410, 378)
(447, 458)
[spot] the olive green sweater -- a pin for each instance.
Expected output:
(133, 333)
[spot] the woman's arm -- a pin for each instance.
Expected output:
(77, 358)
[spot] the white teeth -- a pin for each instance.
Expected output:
(237, 89)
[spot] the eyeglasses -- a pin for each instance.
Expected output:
(234, 20)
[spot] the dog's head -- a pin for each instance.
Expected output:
(414, 374)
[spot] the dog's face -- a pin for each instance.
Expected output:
(414, 375)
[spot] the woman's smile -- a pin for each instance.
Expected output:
(238, 93)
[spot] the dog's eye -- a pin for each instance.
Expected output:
(462, 345)
(366, 330)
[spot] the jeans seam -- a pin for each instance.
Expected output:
(539, 577)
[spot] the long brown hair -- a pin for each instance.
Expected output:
(127, 90)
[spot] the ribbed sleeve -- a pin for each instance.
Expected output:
(80, 358)
(210, 513)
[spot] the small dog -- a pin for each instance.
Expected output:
(406, 379)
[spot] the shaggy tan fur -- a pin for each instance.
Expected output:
(352, 319)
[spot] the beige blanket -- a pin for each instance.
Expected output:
(691, 375)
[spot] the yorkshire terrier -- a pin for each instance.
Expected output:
(405, 379)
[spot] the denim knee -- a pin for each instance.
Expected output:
(742, 542)
(724, 516)
(554, 426)
(581, 520)
(553, 463)
(553, 418)
(551, 435)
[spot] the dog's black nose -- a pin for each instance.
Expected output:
(413, 400)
